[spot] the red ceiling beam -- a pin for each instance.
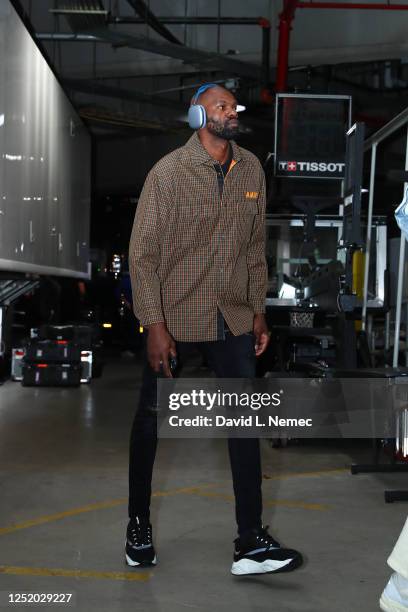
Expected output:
(285, 25)
(353, 5)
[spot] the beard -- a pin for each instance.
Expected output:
(222, 130)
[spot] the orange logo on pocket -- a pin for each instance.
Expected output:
(252, 195)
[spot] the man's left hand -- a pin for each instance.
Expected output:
(261, 334)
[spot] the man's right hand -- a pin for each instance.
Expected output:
(160, 347)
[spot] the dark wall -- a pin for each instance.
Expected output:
(121, 165)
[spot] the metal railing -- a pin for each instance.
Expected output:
(387, 130)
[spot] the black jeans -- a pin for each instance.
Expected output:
(233, 357)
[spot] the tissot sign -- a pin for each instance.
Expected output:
(310, 135)
(314, 168)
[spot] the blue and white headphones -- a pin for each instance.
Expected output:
(196, 113)
(197, 117)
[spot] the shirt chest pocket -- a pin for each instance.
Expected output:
(195, 223)
(245, 215)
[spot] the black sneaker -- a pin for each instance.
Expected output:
(259, 553)
(139, 543)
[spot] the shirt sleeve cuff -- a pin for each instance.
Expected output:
(145, 321)
(259, 308)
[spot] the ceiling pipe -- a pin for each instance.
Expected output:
(68, 37)
(193, 20)
(195, 57)
(285, 25)
(150, 18)
(353, 5)
(260, 21)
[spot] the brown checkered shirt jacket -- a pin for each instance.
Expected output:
(193, 252)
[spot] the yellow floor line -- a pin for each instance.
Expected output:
(66, 573)
(280, 502)
(182, 490)
(306, 474)
(296, 504)
(89, 508)
(61, 515)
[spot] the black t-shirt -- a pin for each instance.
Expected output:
(222, 170)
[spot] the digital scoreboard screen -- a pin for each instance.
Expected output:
(310, 135)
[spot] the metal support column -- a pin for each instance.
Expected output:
(368, 239)
(387, 330)
(369, 331)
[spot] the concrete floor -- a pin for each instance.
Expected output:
(63, 465)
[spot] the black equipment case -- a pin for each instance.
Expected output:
(51, 374)
(59, 351)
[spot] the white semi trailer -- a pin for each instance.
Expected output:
(45, 168)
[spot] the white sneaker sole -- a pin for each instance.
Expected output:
(132, 563)
(390, 605)
(247, 566)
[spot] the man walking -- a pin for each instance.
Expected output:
(198, 270)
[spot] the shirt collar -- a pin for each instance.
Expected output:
(198, 155)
